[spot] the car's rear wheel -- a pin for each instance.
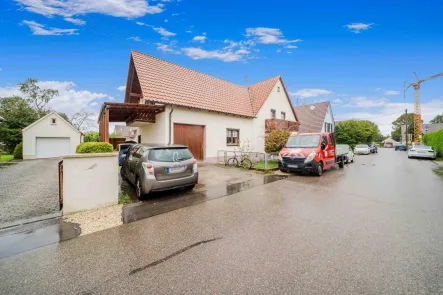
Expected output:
(341, 164)
(139, 192)
(189, 187)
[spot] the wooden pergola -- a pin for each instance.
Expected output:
(125, 112)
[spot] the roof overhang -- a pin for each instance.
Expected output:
(130, 112)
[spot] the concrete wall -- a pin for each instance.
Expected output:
(155, 132)
(278, 101)
(89, 181)
(328, 119)
(45, 128)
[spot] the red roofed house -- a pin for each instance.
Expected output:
(173, 104)
(316, 117)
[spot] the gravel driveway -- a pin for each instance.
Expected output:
(28, 189)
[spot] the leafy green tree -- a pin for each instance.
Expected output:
(17, 114)
(64, 116)
(91, 136)
(353, 132)
(38, 98)
(396, 126)
(437, 119)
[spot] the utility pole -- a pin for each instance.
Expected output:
(297, 100)
(406, 127)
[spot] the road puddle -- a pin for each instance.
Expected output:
(438, 171)
(22, 241)
(162, 202)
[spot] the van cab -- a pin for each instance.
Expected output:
(310, 152)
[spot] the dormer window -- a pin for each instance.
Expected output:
(53, 121)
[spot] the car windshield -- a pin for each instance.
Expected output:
(303, 141)
(125, 147)
(362, 146)
(169, 155)
(423, 147)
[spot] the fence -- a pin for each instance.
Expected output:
(259, 160)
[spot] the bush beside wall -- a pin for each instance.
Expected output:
(435, 139)
(275, 141)
(94, 147)
(18, 151)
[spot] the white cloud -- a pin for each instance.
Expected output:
(162, 31)
(167, 48)
(337, 100)
(121, 88)
(166, 20)
(223, 55)
(310, 92)
(136, 38)
(392, 92)
(75, 21)
(378, 89)
(69, 8)
(201, 39)
(204, 33)
(278, 50)
(364, 102)
(69, 101)
(176, 14)
(358, 27)
(1, 69)
(268, 36)
(289, 52)
(141, 23)
(291, 46)
(39, 29)
(188, 31)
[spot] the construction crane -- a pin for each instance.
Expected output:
(417, 106)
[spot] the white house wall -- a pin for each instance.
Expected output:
(278, 101)
(328, 119)
(45, 128)
(215, 128)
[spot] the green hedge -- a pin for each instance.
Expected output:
(275, 141)
(94, 147)
(435, 139)
(18, 151)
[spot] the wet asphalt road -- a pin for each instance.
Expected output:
(371, 228)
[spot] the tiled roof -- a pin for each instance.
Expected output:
(431, 127)
(312, 116)
(164, 82)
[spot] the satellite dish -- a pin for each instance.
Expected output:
(312, 108)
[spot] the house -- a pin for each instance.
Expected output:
(173, 104)
(389, 143)
(50, 136)
(315, 117)
(127, 132)
(431, 127)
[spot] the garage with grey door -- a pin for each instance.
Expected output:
(52, 147)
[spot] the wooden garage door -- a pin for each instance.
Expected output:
(191, 136)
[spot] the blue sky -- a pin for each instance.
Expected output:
(357, 54)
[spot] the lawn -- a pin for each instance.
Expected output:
(272, 164)
(5, 158)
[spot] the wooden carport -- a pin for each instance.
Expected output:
(125, 112)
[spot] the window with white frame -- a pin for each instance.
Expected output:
(232, 137)
(283, 115)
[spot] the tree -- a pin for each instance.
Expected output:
(437, 119)
(38, 98)
(396, 126)
(64, 116)
(353, 132)
(92, 136)
(17, 114)
(82, 120)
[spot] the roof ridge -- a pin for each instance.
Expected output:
(278, 76)
(186, 68)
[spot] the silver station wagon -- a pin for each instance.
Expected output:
(153, 167)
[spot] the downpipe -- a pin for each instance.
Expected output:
(170, 125)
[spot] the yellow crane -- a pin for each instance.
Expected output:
(417, 106)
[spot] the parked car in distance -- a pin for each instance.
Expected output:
(362, 149)
(122, 150)
(154, 167)
(373, 148)
(349, 153)
(400, 147)
(422, 151)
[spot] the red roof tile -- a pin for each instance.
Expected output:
(164, 82)
(312, 116)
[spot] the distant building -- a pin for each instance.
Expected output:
(389, 143)
(431, 127)
(403, 134)
(129, 133)
(315, 117)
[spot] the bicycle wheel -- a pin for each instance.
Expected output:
(246, 163)
(232, 162)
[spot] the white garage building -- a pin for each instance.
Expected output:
(50, 137)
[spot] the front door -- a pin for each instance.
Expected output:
(191, 136)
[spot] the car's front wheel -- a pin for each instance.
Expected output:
(319, 171)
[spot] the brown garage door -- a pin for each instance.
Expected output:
(191, 136)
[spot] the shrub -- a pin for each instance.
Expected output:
(435, 139)
(94, 147)
(18, 151)
(276, 140)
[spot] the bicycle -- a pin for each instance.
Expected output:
(245, 162)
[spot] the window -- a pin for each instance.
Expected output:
(170, 155)
(232, 136)
(331, 140)
(272, 113)
(283, 115)
(323, 141)
(278, 88)
(53, 121)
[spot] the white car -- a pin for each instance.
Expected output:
(422, 151)
(347, 149)
(362, 149)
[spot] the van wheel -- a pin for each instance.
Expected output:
(319, 171)
(139, 189)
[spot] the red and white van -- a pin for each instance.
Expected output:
(310, 152)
